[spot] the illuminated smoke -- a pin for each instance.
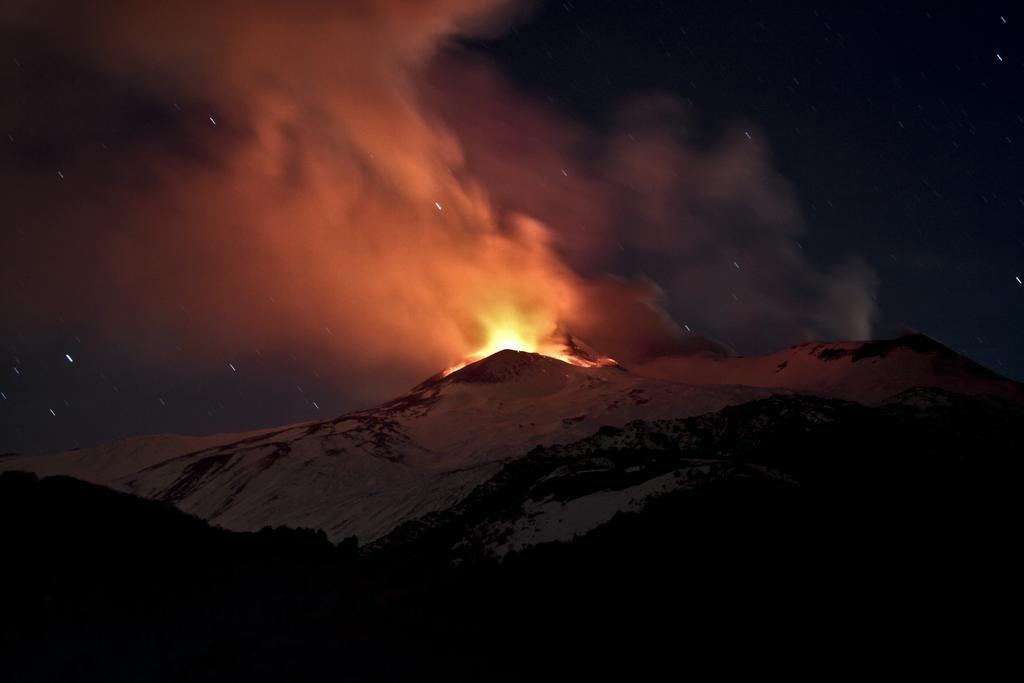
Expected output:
(306, 187)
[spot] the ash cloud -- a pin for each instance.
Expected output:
(239, 178)
(708, 233)
(284, 190)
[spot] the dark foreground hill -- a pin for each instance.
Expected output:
(789, 534)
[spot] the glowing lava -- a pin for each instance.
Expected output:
(553, 344)
(506, 339)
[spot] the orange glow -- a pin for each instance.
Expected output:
(507, 339)
(341, 225)
(511, 331)
(506, 330)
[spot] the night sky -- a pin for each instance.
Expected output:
(901, 128)
(161, 274)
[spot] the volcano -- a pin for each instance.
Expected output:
(525, 505)
(365, 473)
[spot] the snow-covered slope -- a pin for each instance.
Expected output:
(920, 444)
(120, 458)
(365, 473)
(868, 372)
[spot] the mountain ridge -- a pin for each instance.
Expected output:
(367, 472)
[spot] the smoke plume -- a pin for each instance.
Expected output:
(338, 182)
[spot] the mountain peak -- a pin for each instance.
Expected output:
(506, 365)
(875, 348)
(944, 360)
